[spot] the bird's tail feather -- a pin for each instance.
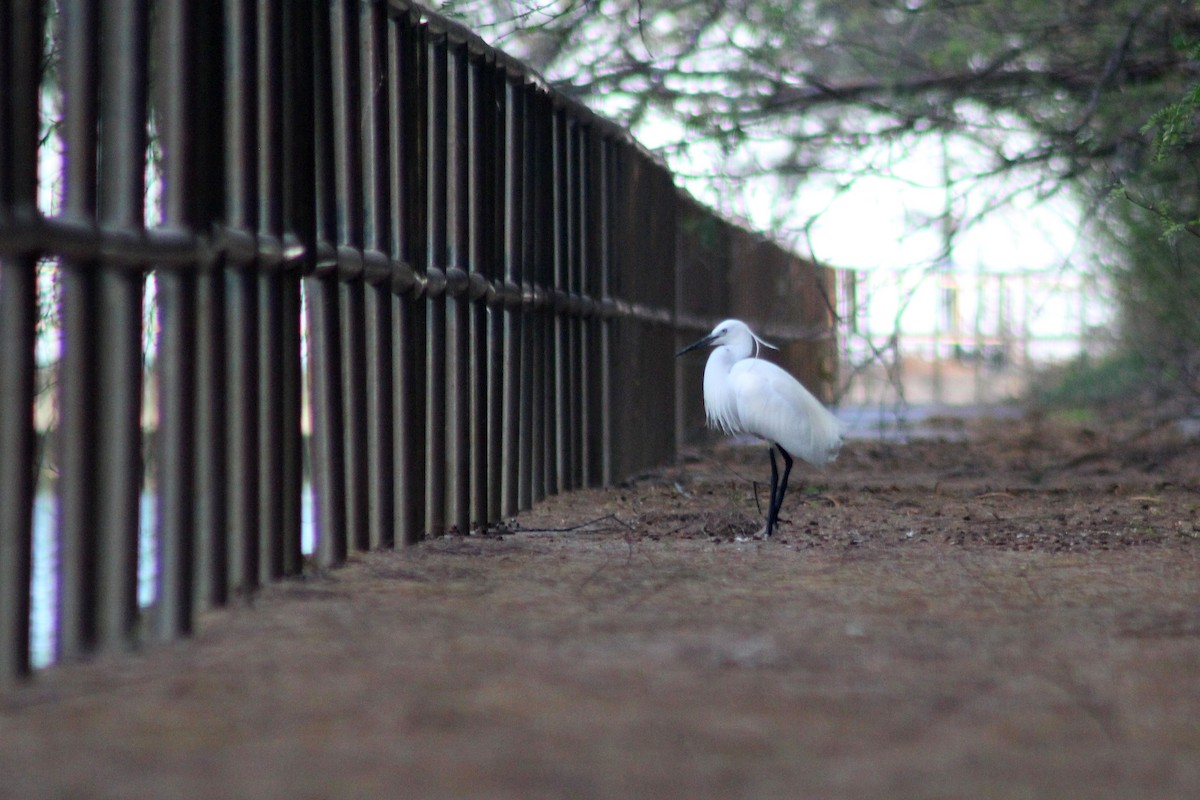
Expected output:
(825, 435)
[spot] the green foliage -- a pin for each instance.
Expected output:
(1090, 382)
(1175, 144)
(1174, 125)
(1156, 278)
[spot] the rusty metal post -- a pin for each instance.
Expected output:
(20, 25)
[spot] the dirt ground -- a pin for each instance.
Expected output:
(1008, 610)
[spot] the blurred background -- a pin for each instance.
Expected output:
(1011, 188)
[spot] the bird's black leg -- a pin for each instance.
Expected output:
(772, 508)
(777, 496)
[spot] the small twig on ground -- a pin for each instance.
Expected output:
(580, 528)
(583, 527)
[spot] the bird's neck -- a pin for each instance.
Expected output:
(719, 403)
(721, 360)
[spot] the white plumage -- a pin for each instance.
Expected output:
(747, 395)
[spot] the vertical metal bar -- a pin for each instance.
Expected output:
(408, 411)
(574, 321)
(176, 431)
(626, 330)
(560, 232)
(21, 29)
(660, 290)
(271, 355)
(608, 193)
(514, 221)
(435, 417)
(122, 171)
(679, 412)
(268, 544)
(536, 158)
(102, 366)
(376, 221)
(406, 128)
(321, 291)
(212, 450)
(599, 249)
(328, 462)
(241, 293)
(668, 241)
(529, 484)
(79, 423)
(18, 325)
(435, 273)
(347, 171)
(595, 289)
(291, 448)
(493, 340)
(544, 338)
(530, 426)
(494, 104)
(190, 109)
(458, 467)
(480, 202)
(580, 276)
(299, 220)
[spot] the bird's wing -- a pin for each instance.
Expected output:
(774, 405)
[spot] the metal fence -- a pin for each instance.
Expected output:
(492, 281)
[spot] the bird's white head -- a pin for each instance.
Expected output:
(733, 334)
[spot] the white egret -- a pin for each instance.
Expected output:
(744, 394)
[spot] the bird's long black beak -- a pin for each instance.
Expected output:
(695, 344)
